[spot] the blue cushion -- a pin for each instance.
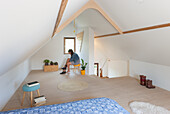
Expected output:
(28, 89)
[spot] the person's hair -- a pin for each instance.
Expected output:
(71, 51)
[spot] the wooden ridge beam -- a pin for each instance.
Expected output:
(60, 15)
(98, 8)
(91, 4)
(136, 30)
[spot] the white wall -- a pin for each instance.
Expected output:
(91, 51)
(95, 20)
(87, 51)
(149, 46)
(117, 68)
(100, 57)
(84, 54)
(113, 66)
(158, 73)
(11, 80)
(26, 25)
(53, 50)
(107, 49)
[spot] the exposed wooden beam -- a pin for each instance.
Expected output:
(107, 35)
(136, 30)
(60, 15)
(97, 7)
(91, 4)
(148, 28)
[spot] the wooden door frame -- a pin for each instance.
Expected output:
(97, 68)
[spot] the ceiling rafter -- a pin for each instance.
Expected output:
(91, 4)
(136, 30)
(60, 14)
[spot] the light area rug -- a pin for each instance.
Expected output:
(72, 85)
(147, 108)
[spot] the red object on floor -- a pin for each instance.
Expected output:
(142, 80)
(149, 84)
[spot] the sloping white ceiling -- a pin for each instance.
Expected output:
(132, 14)
(92, 18)
(149, 46)
(25, 25)
(126, 14)
(72, 7)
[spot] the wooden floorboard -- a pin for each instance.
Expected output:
(123, 90)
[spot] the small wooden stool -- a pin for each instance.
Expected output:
(76, 66)
(25, 88)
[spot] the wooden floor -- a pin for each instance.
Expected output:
(123, 90)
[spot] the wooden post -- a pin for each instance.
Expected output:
(101, 73)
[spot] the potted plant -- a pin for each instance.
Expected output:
(55, 63)
(83, 66)
(51, 63)
(46, 61)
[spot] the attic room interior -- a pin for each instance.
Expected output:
(88, 56)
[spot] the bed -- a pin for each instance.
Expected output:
(89, 106)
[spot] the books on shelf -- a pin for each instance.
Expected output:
(31, 84)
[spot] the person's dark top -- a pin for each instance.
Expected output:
(74, 58)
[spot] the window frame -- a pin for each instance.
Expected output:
(65, 43)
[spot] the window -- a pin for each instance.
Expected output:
(69, 43)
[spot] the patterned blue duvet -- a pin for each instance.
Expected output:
(89, 106)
